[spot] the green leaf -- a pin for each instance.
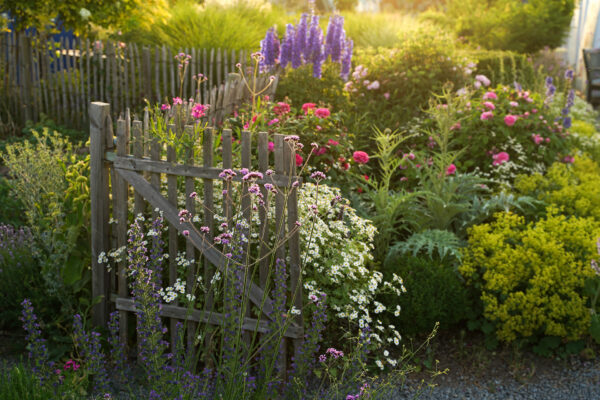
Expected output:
(72, 270)
(595, 328)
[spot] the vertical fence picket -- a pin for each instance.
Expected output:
(190, 250)
(263, 165)
(146, 74)
(172, 68)
(280, 228)
(121, 190)
(81, 86)
(138, 152)
(206, 73)
(72, 80)
(165, 82)
(157, 72)
(208, 200)
(133, 60)
(126, 61)
(173, 237)
(63, 85)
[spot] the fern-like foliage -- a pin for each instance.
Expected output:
(436, 244)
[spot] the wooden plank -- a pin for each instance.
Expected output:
(219, 66)
(63, 86)
(88, 72)
(119, 74)
(113, 80)
(207, 74)
(173, 247)
(226, 140)
(157, 73)
(280, 231)
(211, 68)
(35, 79)
(82, 78)
(101, 71)
(213, 318)
(146, 74)
(171, 214)
(52, 82)
(190, 249)
(141, 164)
(126, 62)
(208, 220)
(135, 91)
(99, 125)
(95, 70)
(192, 75)
(120, 209)
(138, 152)
(70, 80)
(293, 240)
(263, 165)
(186, 81)
(173, 67)
(164, 82)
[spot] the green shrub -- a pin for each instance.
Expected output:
(238, 26)
(390, 87)
(434, 293)
(531, 277)
(525, 27)
(504, 67)
(19, 382)
(571, 188)
(11, 208)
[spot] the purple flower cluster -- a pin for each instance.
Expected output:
(13, 239)
(306, 44)
(38, 352)
(117, 349)
(90, 350)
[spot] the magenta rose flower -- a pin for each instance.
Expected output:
(322, 112)
(510, 120)
(360, 157)
(308, 106)
(490, 96)
(451, 170)
(489, 105)
(486, 115)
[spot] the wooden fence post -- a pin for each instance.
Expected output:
(100, 124)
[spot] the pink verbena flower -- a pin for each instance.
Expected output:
(308, 106)
(273, 121)
(490, 96)
(451, 170)
(281, 108)
(299, 160)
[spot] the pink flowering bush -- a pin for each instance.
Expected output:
(506, 131)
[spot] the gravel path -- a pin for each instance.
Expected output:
(577, 381)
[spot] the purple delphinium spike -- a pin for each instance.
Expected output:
(315, 47)
(287, 46)
(335, 38)
(347, 59)
(269, 48)
(300, 42)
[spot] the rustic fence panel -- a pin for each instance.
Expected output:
(114, 173)
(60, 79)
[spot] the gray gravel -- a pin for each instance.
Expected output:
(578, 381)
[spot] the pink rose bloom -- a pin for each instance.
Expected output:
(486, 115)
(534, 110)
(411, 156)
(547, 140)
(318, 127)
(489, 105)
(500, 158)
(322, 112)
(177, 100)
(299, 160)
(360, 157)
(403, 179)
(537, 138)
(308, 106)
(569, 159)
(456, 126)
(510, 120)
(451, 169)
(490, 96)
(281, 108)
(332, 142)
(526, 113)
(320, 151)
(165, 107)
(514, 104)
(271, 146)
(273, 121)
(386, 95)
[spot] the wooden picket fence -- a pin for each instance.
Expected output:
(121, 168)
(60, 79)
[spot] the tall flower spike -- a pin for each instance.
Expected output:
(269, 49)
(335, 38)
(315, 47)
(347, 59)
(287, 45)
(300, 43)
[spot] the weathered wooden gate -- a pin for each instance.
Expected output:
(114, 171)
